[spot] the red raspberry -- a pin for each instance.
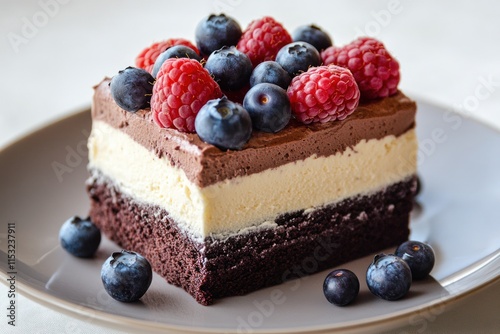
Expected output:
(146, 59)
(375, 70)
(323, 93)
(182, 87)
(263, 39)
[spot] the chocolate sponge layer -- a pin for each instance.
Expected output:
(303, 242)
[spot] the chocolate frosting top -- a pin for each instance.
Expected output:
(205, 164)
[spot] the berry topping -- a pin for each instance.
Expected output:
(373, 67)
(176, 51)
(131, 88)
(126, 276)
(388, 277)
(146, 59)
(323, 93)
(182, 87)
(268, 106)
(313, 35)
(263, 39)
(230, 68)
(419, 257)
(224, 124)
(216, 31)
(270, 72)
(298, 57)
(80, 237)
(341, 287)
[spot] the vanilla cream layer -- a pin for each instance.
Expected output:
(256, 200)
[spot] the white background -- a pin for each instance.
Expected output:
(53, 51)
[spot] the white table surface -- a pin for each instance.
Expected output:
(53, 51)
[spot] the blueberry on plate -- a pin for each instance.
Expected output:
(131, 88)
(419, 257)
(176, 51)
(80, 237)
(126, 276)
(297, 57)
(341, 287)
(230, 67)
(418, 187)
(216, 31)
(313, 35)
(268, 106)
(388, 277)
(270, 72)
(223, 123)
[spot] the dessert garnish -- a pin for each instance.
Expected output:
(80, 237)
(176, 51)
(268, 106)
(270, 72)
(126, 276)
(313, 35)
(323, 94)
(298, 57)
(182, 87)
(131, 88)
(388, 277)
(419, 256)
(341, 287)
(262, 39)
(147, 57)
(224, 124)
(215, 32)
(373, 67)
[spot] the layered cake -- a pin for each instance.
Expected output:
(223, 222)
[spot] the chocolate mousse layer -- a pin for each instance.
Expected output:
(205, 164)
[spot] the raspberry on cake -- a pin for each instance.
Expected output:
(146, 59)
(373, 67)
(262, 40)
(323, 94)
(182, 87)
(224, 222)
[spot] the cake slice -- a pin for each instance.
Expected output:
(222, 223)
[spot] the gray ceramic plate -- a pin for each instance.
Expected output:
(42, 184)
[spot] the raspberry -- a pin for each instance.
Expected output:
(323, 93)
(375, 70)
(263, 39)
(146, 59)
(182, 87)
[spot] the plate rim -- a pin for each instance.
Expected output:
(120, 322)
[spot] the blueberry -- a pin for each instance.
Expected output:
(297, 57)
(230, 67)
(216, 31)
(126, 276)
(388, 277)
(131, 88)
(268, 106)
(270, 72)
(313, 35)
(419, 257)
(80, 237)
(341, 287)
(223, 123)
(176, 51)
